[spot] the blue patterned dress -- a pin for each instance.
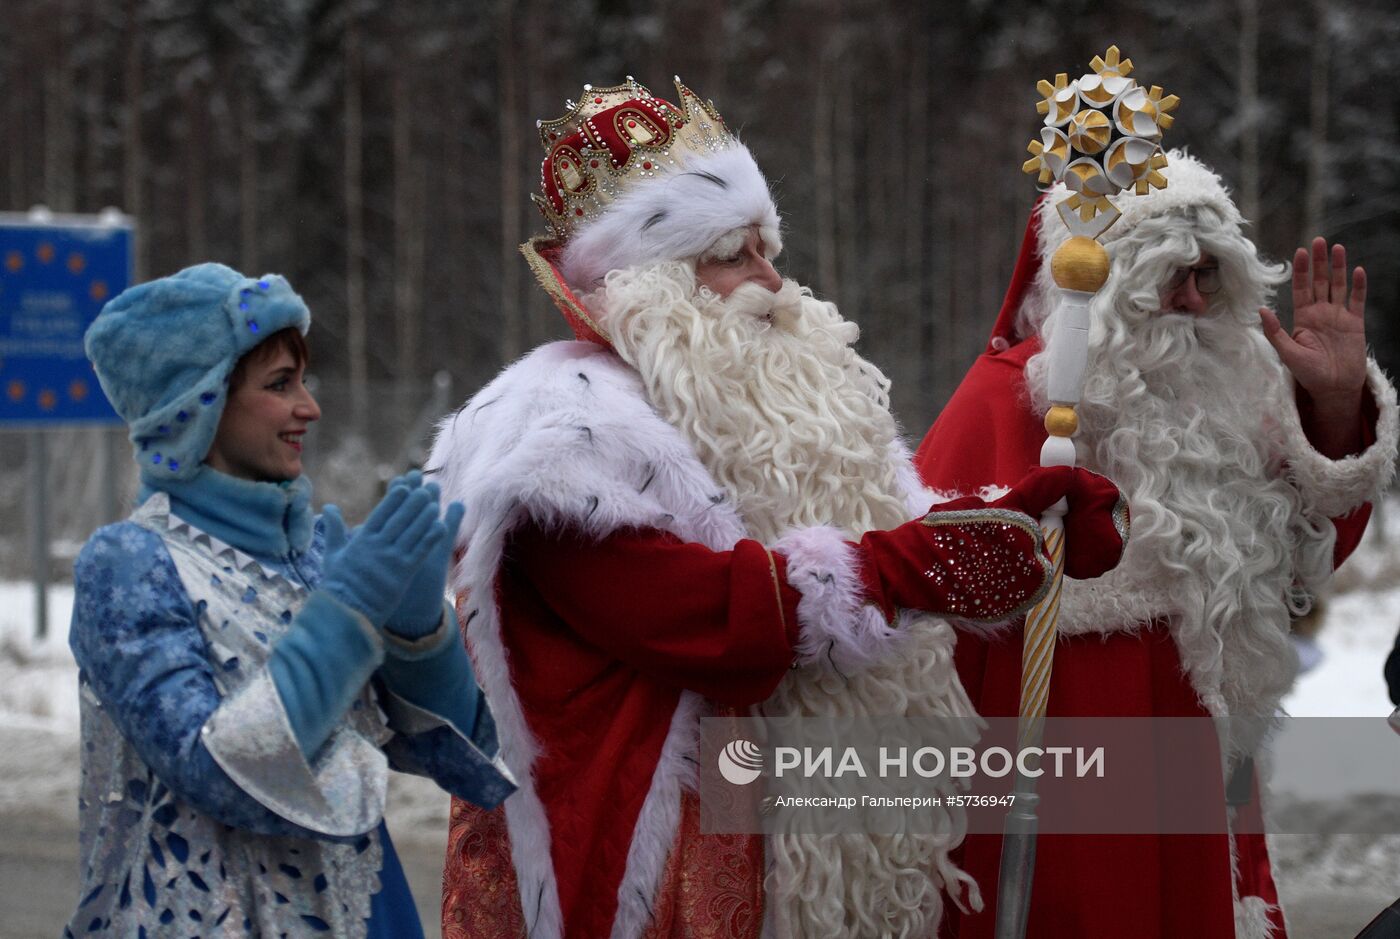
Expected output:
(199, 814)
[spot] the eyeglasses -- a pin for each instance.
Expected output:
(1207, 278)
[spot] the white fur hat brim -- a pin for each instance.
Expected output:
(676, 216)
(1190, 183)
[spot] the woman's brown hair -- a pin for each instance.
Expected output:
(289, 339)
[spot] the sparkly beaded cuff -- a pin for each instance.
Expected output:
(993, 566)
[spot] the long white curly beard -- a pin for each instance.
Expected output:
(797, 428)
(1179, 411)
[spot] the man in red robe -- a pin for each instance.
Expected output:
(1248, 455)
(701, 506)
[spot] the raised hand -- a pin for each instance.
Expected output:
(420, 610)
(372, 570)
(1327, 350)
(336, 536)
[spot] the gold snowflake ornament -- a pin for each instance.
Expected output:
(1102, 135)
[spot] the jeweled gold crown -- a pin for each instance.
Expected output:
(614, 139)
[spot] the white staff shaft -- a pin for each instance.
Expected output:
(1069, 354)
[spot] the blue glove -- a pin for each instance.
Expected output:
(420, 611)
(319, 667)
(370, 571)
(440, 682)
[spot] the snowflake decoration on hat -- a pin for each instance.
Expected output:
(1102, 136)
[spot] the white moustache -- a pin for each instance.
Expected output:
(782, 308)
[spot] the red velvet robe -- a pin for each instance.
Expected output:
(610, 599)
(1139, 886)
(602, 636)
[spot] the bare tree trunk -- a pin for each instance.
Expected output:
(415, 257)
(90, 196)
(877, 122)
(828, 278)
(928, 312)
(1315, 195)
(457, 223)
(851, 254)
(514, 328)
(59, 153)
(19, 191)
(1249, 109)
(916, 176)
(355, 235)
(276, 239)
(954, 246)
(406, 331)
(408, 229)
(196, 145)
(133, 165)
(715, 85)
(248, 183)
(658, 54)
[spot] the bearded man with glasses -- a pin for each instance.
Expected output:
(1205, 280)
(1249, 455)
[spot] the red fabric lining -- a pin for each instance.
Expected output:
(601, 636)
(566, 296)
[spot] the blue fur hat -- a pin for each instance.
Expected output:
(164, 350)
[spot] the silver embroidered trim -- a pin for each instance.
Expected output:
(405, 717)
(244, 610)
(408, 718)
(1122, 520)
(341, 793)
(148, 859)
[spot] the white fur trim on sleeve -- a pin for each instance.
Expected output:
(838, 627)
(674, 217)
(1252, 918)
(1333, 488)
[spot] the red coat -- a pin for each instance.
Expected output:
(599, 673)
(610, 599)
(1143, 886)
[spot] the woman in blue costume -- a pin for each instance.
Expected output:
(248, 671)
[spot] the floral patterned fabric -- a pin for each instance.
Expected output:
(169, 841)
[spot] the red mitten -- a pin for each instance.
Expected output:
(966, 560)
(1096, 526)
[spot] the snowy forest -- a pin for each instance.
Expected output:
(381, 156)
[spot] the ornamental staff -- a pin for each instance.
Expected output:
(1102, 135)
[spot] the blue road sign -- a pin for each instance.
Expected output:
(55, 275)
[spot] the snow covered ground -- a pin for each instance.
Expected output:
(39, 703)
(39, 725)
(1362, 619)
(39, 780)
